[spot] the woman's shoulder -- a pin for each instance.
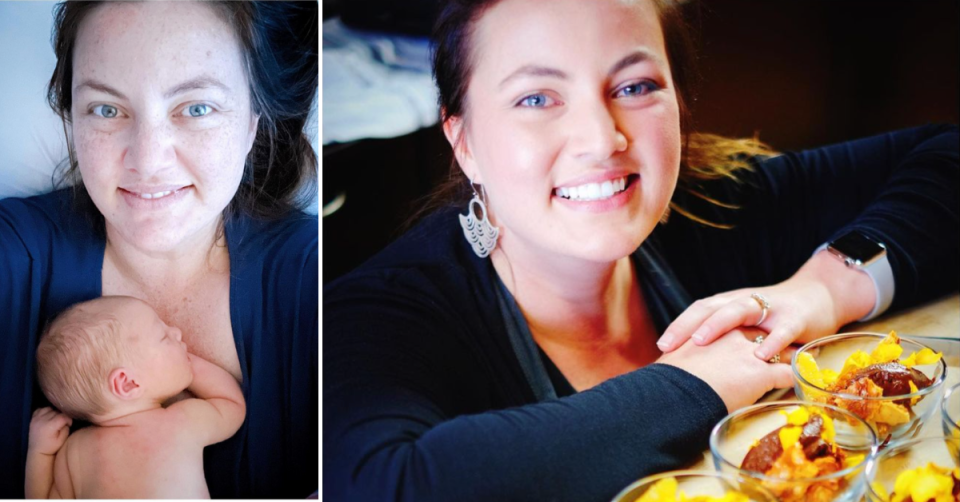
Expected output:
(296, 234)
(434, 251)
(42, 219)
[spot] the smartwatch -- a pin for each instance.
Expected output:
(857, 250)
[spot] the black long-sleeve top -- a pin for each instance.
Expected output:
(424, 397)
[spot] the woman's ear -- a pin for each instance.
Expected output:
(456, 135)
(123, 385)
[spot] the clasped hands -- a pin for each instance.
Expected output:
(801, 309)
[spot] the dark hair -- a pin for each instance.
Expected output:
(703, 156)
(278, 41)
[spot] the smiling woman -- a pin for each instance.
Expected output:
(541, 352)
(189, 168)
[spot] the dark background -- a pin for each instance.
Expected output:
(799, 74)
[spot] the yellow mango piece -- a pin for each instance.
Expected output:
(789, 435)
(856, 361)
(904, 481)
(807, 366)
(733, 497)
(853, 460)
(798, 416)
(925, 483)
(664, 490)
(891, 414)
(921, 357)
(829, 376)
(829, 432)
(891, 338)
(913, 389)
(881, 491)
(886, 352)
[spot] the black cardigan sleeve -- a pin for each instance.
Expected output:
(900, 188)
(411, 413)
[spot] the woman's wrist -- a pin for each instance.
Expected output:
(852, 293)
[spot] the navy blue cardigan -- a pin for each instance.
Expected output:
(424, 398)
(51, 258)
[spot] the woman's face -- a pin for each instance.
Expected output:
(162, 121)
(572, 125)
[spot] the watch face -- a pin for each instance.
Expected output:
(857, 246)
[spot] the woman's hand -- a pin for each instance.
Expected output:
(730, 368)
(49, 429)
(816, 301)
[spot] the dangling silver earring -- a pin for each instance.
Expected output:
(481, 235)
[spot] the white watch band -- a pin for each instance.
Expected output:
(880, 272)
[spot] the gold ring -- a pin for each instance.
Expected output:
(764, 307)
(776, 357)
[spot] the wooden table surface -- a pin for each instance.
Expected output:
(938, 319)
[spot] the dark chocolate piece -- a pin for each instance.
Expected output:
(813, 445)
(762, 456)
(893, 377)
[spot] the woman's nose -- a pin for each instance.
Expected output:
(152, 148)
(596, 134)
(177, 333)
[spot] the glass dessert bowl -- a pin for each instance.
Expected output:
(950, 412)
(892, 383)
(922, 470)
(694, 486)
(800, 452)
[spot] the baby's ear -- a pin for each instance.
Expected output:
(123, 385)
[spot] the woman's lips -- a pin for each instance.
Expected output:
(154, 198)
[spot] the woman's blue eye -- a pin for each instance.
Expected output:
(198, 110)
(105, 111)
(534, 101)
(637, 89)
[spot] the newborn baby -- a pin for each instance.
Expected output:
(112, 361)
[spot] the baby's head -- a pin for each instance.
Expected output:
(108, 353)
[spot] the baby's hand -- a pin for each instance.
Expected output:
(48, 431)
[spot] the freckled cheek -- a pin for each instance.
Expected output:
(216, 158)
(99, 156)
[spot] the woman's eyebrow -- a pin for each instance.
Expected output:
(535, 71)
(100, 86)
(201, 82)
(637, 56)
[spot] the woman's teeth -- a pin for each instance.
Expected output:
(593, 191)
(154, 195)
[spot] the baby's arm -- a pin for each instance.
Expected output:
(49, 429)
(219, 409)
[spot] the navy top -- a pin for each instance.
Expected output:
(425, 398)
(51, 258)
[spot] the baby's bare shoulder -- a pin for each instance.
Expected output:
(142, 451)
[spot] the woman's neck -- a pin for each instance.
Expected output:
(589, 318)
(574, 303)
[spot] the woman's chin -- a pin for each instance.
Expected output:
(152, 239)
